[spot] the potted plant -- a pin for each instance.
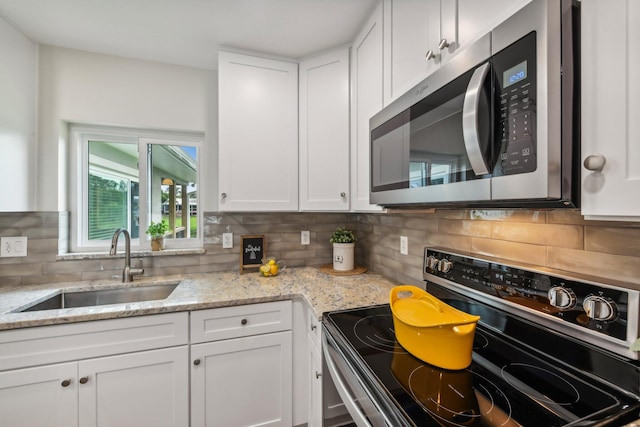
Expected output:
(156, 231)
(343, 249)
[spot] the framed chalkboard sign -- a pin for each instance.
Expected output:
(252, 252)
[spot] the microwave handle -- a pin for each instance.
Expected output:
(470, 120)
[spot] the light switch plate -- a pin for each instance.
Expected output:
(227, 240)
(13, 246)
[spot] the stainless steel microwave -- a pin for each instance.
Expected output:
(497, 125)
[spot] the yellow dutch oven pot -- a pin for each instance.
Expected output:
(431, 330)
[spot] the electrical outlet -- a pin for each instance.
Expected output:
(13, 246)
(305, 239)
(227, 240)
(404, 245)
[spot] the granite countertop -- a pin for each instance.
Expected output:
(323, 292)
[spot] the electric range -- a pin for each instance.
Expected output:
(545, 352)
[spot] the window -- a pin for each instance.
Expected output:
(128, 178)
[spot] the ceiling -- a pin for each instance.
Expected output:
(189, 32)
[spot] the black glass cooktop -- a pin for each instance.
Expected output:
(507, 384)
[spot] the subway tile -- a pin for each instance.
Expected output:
(613, 240)
(599, 264)
(39, 279)
(514, 251)
(465, 227)
(566, 236)
(508, 215)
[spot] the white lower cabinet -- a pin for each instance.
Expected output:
(72, 375)
(324, 407)
(246, 377)
(138, 389)
(44, 388)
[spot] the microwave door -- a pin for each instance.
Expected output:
(476, 120)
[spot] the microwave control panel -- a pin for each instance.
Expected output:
(515, 107)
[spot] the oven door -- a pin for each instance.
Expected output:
(435, 143)
(364, 402)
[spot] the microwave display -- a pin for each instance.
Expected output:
(514, 74)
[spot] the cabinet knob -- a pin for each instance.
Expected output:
(318, 374)
(443, 44)
(343, 194)
(84, 380)
(223, 195)
(66, 383)
(313, 327)
(196, 362)
(243, 321)
(430, 55)
(594, 162)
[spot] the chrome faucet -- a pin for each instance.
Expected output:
(127, 272)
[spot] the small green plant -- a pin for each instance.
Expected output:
(342, 235)
(157, 229)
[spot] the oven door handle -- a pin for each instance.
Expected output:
(470, 118)
(349, 401)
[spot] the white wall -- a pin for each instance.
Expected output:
(88, 88)
(18, 66)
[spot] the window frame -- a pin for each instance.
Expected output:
(80, 135)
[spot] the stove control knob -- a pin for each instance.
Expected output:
(600, 308)
(561, 297)
(444, 265)
(432, 262)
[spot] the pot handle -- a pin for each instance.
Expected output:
(410, 291)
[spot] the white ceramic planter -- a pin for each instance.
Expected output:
(343, 256)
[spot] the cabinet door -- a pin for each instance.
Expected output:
(314, 396)
(414, 29)
(611, 108)
(368, 98)
(242, 382)
(324, 132)
(258, 134)
(46, 396)
(479, 17)
(149, 388)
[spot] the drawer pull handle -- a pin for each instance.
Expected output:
(318, 374)
(196, 362)
(84, 380)
(66, 383)
(243, 321)
(313, 327)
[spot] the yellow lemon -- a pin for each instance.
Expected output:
(274, 269)
(272, 262)
(265, 270)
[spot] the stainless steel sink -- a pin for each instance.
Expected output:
(104, 297)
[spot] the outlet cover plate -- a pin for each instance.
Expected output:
(305, 238)
(13, 246)
(404, 245)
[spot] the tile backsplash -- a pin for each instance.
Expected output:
(559, 239)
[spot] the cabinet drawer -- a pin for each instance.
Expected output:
(240, 321)
(59, 343)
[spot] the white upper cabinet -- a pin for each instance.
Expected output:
(324, 132)
(476, 18)
(611, 110)
(419, 36)
(423, 34)
(258, 134)
(367, 99)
